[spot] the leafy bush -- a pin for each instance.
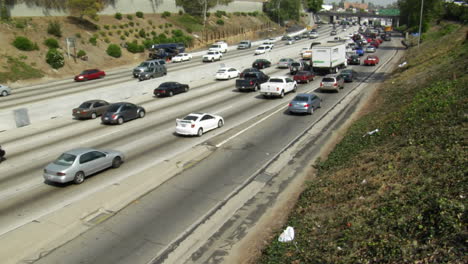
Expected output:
(131, 24)
(114, 50)
(4, 13)
(106, 27)
(20, 23)
(122, 37)
(138, 24)
(78, 35)
(118, 16)
(110, 33)
(181, 12)
(51, 43)
(114, 26)
(129, 17)
(142, 33)
(81, 53)
(55, 58)
(139, 14)
(54, 28)
(220, 22)
(133, 47)
(166, 14)
(208, 14)
(106, 40)
(122, 26)
(220, 13)
(237, 13)
(102, 33)
(93, 40)
(23, 43)
(161, 26)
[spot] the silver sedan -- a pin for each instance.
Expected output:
(76, 164)
(4, 90)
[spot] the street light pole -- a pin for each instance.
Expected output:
(420, 22)
(278, 10)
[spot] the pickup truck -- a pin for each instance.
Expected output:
(251, 81)
(278, 86)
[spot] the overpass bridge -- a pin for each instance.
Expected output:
(394, 16)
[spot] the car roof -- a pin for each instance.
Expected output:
(94, 100)
(79, 151)
(279, 77)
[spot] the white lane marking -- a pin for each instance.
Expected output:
(249, 127)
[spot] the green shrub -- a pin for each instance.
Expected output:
(133, 47)
(189, 30)
(4, 13)
(181, 12)
(110, 33)
(102, 33)
(121, 26)
(55, 58)
(118, 16)
(161, 26)
(150, 22)
(220, 22)
(23, 43)
(142, 33)
(131, 24)
(139, 14)
(166, 14)
(129, 17)
(153, 33)
(20, 23)
(54, 28)
(136, 35)
(126, 33)
(208, 14)
(93, 40)
(243, 13)
(51, 43)
(130, 30)
(114, 50)
(81, 53)
(78, 35)
(107, 40)
(107, 27)
(114, 26)
(119, 32)
(237, 13)
(177, 33)
(220, 13)
(255, 13)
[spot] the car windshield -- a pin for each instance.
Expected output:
(144, 64)
(191, 118)
(215, 46)
(85, 105)
(302, 73)
(179, 55)
(260, 48)
(211, 53)
(65, 159)
(164, 85)
(301, 99)
(276, 80)
(328, 80)
(250, 75)
(221, 71)
(244, 42)
(295, 64)
(84, 72)
(113, 108)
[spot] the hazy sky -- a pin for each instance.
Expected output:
(377, 2)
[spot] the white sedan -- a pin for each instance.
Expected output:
(198, 123)
(262, 49)
(227, 73)
(4, 90)
(181, 57)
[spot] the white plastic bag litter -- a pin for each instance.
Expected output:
(287, 235)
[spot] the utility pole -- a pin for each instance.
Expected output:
(420, 22)
(278, 10)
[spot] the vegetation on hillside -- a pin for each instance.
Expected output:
(397, 196)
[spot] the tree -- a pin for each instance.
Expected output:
(410, 11)
(83, 8)
(314, 5)
(282, 10)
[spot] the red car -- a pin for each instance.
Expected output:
(379, 40)
(371, 60)
(375, 43)
(89, 75)
(304, 76)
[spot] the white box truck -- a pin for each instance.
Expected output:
(329, 57)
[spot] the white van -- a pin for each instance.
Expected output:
(220, 46)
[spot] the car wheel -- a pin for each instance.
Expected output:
(4, 93)
(320, 105)
(120, 120)
(294, 89)
(282, 94)
(171, 93)
(93, 116)
(212, 59)
(186, 89)
(141, 114)
(311, 111)
(200, 132)
(79, 177)
(257, 87)
(220, 123)
(116, 162)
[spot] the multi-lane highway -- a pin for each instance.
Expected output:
(171, 184)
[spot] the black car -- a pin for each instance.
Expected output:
(354, 60)
(261, 64)
(119, 113)
(241, 75)
(170, 88)
(297, 37)
(348, 75)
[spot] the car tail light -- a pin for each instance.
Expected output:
(335, 84)
(290, 105)
(251, 82)
(192, 126)
(277, 89)
(60, 174)
(321, 84)
(306, 105)
(114, 116)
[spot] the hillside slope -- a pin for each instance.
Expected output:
(399, 195)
